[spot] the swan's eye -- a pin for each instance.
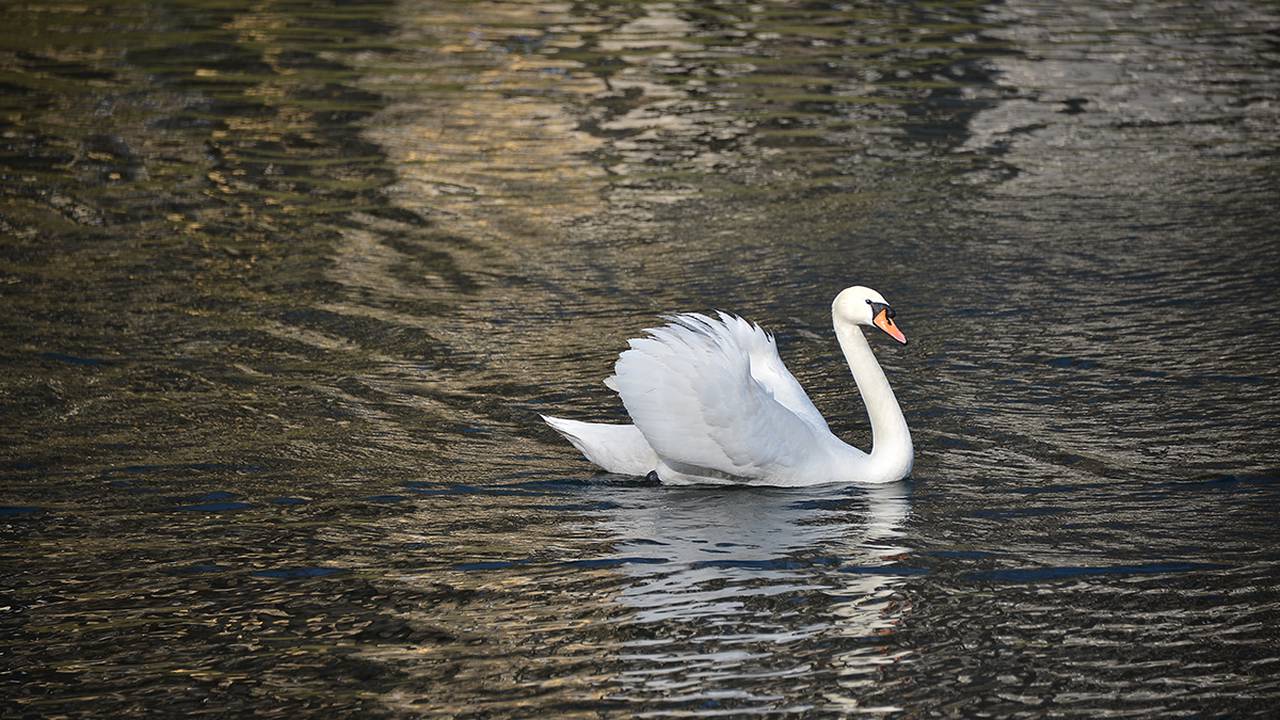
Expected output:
(868, 301)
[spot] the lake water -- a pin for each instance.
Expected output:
(285, 285)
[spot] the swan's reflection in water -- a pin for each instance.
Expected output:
(667, 599)
(759, 582)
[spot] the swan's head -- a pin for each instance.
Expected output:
(863, 306)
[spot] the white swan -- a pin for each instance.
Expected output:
(713, 403)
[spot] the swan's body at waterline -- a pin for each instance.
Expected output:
(712, 402)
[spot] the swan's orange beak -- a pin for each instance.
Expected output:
(885, 323)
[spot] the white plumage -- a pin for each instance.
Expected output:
(713, 403)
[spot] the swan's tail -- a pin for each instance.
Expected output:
(617, 449)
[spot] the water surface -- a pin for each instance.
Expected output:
(284, 286)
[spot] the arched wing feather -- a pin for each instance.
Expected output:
(710, 393)
(768, 370)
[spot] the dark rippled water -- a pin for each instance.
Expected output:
(284, 286)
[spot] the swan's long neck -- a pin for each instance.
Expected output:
(891, 451)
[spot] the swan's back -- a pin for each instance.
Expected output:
(712, 393)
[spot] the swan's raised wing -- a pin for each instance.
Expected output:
(692, 390)
(767, 368)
